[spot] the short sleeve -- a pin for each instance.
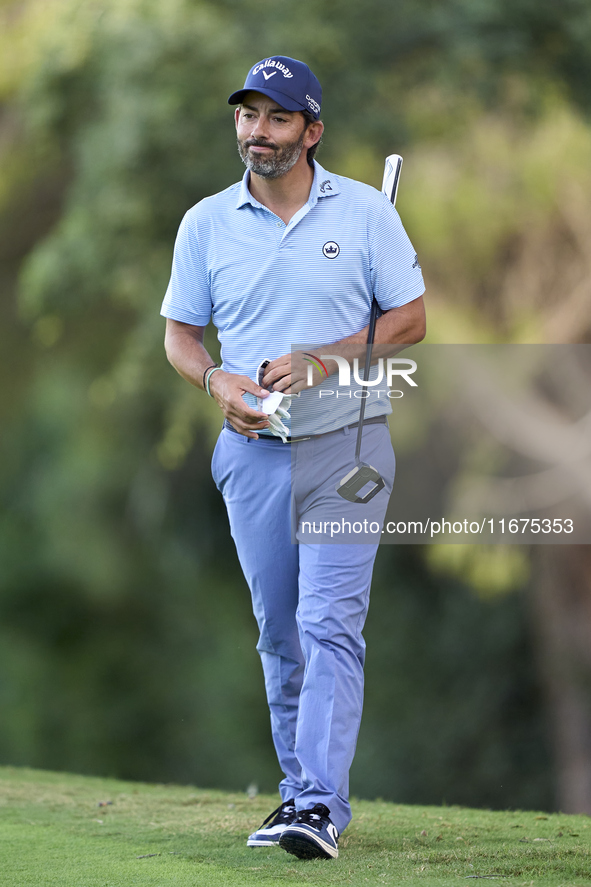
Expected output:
(188, 296)
(394, 265)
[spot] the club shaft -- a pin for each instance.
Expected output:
(370, 337)
(390, 188)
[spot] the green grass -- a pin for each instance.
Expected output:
(53, 832)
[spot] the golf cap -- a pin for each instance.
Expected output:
(288, 82)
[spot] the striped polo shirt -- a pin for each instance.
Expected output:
(271, 287)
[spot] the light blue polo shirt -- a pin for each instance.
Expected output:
(270, 287)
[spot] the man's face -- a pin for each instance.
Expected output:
(270, 139)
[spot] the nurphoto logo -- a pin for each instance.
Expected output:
(388, 370)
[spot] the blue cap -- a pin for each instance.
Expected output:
(288, 82)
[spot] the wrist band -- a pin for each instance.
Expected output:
(209, 375)
(210, 367)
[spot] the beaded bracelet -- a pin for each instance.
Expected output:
(210, 367)
(209, 375)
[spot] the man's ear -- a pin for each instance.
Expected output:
(314, 133)
(237, 115)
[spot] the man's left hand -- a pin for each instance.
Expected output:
(289, 373)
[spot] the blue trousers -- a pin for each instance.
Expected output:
(310, 599)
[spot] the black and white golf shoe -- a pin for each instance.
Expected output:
(274, 825)
(311, 835)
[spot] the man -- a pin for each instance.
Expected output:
(295, 254)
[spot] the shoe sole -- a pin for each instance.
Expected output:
(302, 846)
(262, 843)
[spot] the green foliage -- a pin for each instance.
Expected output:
(500, 210)
(451, 694)
(491, 570)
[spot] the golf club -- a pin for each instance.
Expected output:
(363, 474)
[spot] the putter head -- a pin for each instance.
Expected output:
(361, 475)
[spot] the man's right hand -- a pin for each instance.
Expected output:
(228, 390)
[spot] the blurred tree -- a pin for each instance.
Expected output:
(523, 267)
(562, 610)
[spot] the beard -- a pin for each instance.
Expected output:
(277, 164)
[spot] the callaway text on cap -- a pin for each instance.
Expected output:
(285, 80)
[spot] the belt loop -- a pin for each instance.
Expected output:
(347, 430)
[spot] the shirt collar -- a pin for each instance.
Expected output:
(324, 184)
(244, 195)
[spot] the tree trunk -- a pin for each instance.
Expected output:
(561, 603)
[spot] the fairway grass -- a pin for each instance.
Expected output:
(53, 833)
